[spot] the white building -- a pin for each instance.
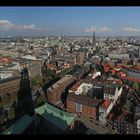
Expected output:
(30, 57)
(96, 74)
(5, 74)
(118, 55)
(84, 88)
(104, 110)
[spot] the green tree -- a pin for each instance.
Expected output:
(135, 86)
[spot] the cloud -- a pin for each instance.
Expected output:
(131, 29)
(90, 30)
(102, 29)
(4, 22)
(105, 29)
(7, 25)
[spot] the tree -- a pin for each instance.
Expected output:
(135, 86)
(11, 114)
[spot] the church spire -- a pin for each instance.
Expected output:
(93, 39)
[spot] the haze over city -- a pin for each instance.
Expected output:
(69, 70)
(110, 21)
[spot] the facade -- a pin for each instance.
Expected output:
(98, 91)
(122, 127)
(53, 120)
(9, 53)
(134, 53)
(133, 72)
(80, 57)
(110, 92)
(5, 74)
(8, 98)
(118, 55)
(9, 85)
(59, 60)
(83, 105)
(34, 70)
(34, 67)
(103, 111)
(54, 93)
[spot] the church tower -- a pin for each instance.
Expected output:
(93, 41)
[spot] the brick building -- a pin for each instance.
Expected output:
(83, 105)
(54, 93)
(8, 98)
(9, 85)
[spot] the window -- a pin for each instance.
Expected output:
(78, 107)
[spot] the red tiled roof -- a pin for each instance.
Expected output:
(6, 60)
(135, 67)
(75, 86)
(118, 81)
(121, 73)
(106, 104)
(106, 69)
(131, 79)
(50, 66)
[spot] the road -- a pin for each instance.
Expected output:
(95, 127)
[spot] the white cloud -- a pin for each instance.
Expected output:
(104, 29)
(7, 25)
(4, 22)
(90, 30)
(131, 29)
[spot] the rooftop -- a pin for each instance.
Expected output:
(9, 79)
(82, 99)
(60, 82)
(106, 104)
(58, 117)
(131, 79)
(19, 126)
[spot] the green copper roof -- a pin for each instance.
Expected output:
(19, 126)
(59, 118)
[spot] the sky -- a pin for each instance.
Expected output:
(106, 21)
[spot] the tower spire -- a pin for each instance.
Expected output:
(93, 39)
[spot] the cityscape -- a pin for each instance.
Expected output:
(69, 70)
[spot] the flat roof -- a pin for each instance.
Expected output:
(58, 117)
(19, 126)
(85, 100)
(8, 79)
(61, 81)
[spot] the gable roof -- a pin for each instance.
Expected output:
(131, 79)
(106, 104)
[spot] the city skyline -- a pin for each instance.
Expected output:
(35, 21)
